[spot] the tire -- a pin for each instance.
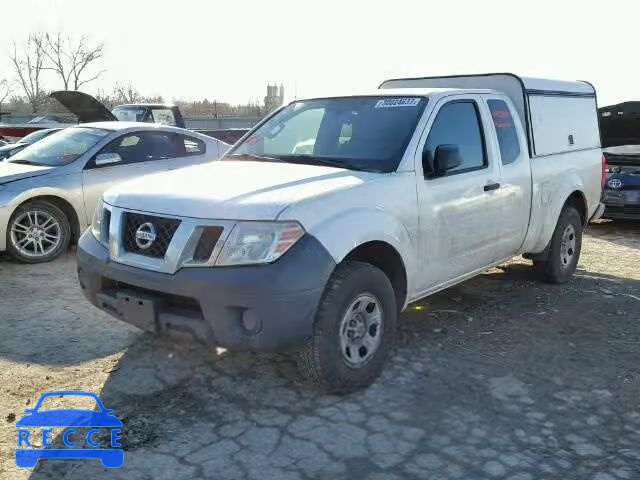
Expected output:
(55, 223)
(345, 323)
(564, 249)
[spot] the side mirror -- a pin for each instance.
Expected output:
(107, 159)
(447, 157)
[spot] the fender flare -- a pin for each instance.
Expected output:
(551, 202)
(27, 195)
(343, 233)
(32, 193)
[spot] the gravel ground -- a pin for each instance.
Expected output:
(501, 377)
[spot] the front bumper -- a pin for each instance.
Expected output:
(621, 204)
(262, 307)
(628, 212)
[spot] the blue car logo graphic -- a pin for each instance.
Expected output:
(103, 418)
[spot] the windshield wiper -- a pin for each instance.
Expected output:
(251, 156)
(326, 161)
(26, 162)
(305, 159)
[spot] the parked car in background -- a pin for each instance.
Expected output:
(622, 189)
(48, 119)
(12, 148)
(49, 190)
(332, 215)
(87, 109)
(621, 139)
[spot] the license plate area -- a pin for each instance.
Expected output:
(632, 196)
(615, 199)
(138, 309)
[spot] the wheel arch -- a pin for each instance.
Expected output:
(363, 234)
(63, 205)
(577, 200)
(384, 256)
(574, 197)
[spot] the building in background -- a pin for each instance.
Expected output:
(274, 98)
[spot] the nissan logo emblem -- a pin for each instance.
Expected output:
(614, 183)
(145, 235)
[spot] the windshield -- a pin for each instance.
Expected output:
(60, 149)
(359, 133)
(35, 136)
(129, 114)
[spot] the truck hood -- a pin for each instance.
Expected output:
(10, 172)
(83, 106)
(232, 190)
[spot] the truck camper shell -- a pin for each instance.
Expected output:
(559, 116)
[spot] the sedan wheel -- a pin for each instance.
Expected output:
(38, 232)
(35, 233)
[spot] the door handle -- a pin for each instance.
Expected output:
(491, 186)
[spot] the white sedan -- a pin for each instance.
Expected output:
(49, 190)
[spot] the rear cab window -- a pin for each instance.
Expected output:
(505, 131)
(163, 116)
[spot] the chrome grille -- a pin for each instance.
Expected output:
(165, 229)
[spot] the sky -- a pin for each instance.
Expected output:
(230, 50)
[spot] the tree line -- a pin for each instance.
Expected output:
(75, 63)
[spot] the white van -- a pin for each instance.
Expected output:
(319, 226)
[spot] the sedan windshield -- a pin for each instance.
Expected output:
(35, 136)
(61, 148)
(358, 133)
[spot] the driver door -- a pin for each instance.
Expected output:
(459, 208)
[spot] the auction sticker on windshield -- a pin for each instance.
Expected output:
(88, 434)
(397, 102)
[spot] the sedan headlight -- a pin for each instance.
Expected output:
(96, 224)
(259, 242)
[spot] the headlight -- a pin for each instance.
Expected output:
(259, 242)
(96, 224)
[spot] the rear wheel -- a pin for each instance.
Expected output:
(37, 232)
(564, 248)
(353, 331)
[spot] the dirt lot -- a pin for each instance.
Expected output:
(500, 377)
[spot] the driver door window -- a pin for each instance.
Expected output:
(457, 124)
(144, 147)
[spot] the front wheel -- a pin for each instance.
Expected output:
(37, 232)
(564, 248)
(354, 329)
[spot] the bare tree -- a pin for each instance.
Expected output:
(28, 63)
(107, 99)
(126, 93)
(5, 91)
(71, 60)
